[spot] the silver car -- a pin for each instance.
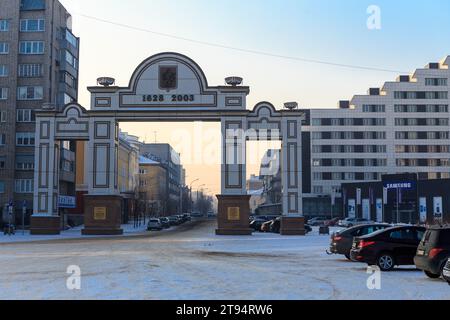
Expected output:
(154, 224)
(351, 222)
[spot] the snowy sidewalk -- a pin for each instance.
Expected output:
(71, 234)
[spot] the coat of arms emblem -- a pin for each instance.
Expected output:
(168, 77)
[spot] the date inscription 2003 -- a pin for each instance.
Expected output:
(173, 98)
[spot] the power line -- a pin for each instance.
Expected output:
(256, 52)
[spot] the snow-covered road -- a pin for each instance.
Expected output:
(193, 263)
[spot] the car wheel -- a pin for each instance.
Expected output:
(386, 262)
(348, 257)
(432, 275)
(350, 225)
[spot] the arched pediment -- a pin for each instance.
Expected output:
(264, 110)
(151, 70)
(169, 81)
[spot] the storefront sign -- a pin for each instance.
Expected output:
(437, 203)
(351, 208)
(379, 210)
(67, 202)
(234, 214)
(366, 208)
(100, 213)
(406, 185)
(423, 210)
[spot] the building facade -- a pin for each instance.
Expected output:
(170, 159)
(38, 65)
(402, 127)
(399, 198)
(153, 186)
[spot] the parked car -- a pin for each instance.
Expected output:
(332, 222)
(257, 223)
(319, 221)
(174, 220)
(165, 222)
(275, 226)
(187, 217)
(351, 222)
(211, 214)
(446, 272)
(265, 227)
(154, 224)
(342, 241)
(388, 248)
(196, 215)
(433, 252)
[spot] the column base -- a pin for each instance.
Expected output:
(102, 215)
(233, 215)
(292, 226)
(45, 225)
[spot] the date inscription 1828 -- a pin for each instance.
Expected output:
(172, 98)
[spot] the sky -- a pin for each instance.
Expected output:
(412, 34)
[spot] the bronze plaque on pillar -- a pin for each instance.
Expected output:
(100, 213)
(234, 213)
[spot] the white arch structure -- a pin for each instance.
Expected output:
(165, 87)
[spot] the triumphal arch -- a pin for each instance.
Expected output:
(164, 87)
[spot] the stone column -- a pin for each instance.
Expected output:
(45, 219)
(103, 204)
(293, 222)
(234, 207)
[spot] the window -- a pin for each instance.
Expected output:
(2, 163)
(420, 95)
(70, 59)
(3, 93)
(4, 48)
(3, 116)
(3, 70)
(2, 139)
(403, 234)
(24, 139)
(69, 79)
(25, 115)
(68, 99)
(30, 93)
(24, 186)
(2, 187)
(71, 39)
(31, 47)
(32, 5)
(25, 162)
(32, 25)
(4, 25)
(30, 70)
(436, 82)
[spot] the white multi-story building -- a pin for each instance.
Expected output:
(402, 127)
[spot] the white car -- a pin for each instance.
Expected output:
(351, 222)
(154, 224)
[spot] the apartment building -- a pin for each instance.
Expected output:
(170, 159)
(38, 65)
(402, 127)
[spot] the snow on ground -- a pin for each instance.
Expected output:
(74, 233)
(193, 263)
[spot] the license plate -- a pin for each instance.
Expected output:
(420, 253)
(447, 273)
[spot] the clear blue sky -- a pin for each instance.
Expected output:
(413, 33)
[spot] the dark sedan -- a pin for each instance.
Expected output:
(388, 248)
(342, 241)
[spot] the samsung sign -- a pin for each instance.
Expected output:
(400, 185)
